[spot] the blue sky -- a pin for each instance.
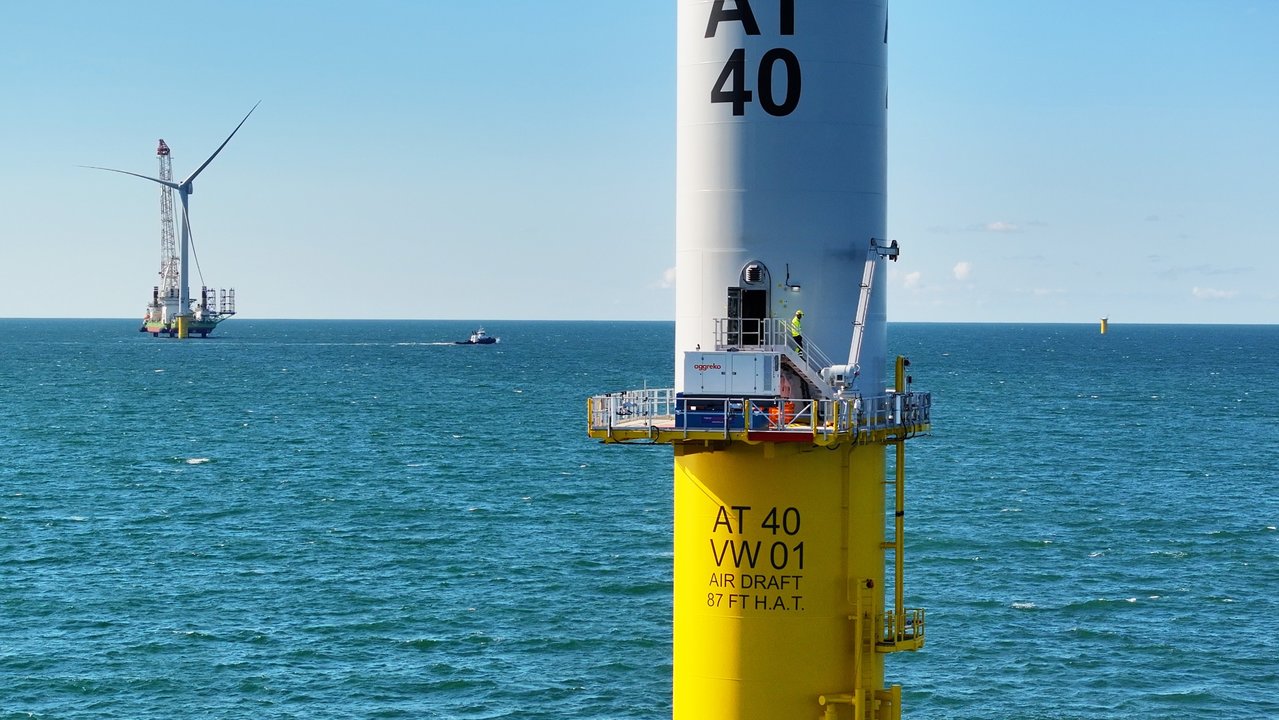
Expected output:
(1049, 161)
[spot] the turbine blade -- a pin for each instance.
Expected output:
(224, 142)
(165, 183)
(186, 223)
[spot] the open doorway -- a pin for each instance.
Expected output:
(748, 307)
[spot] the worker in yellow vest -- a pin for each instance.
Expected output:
(797, 331)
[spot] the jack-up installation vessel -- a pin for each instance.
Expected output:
(172, 311)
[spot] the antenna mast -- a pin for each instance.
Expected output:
(169, 264)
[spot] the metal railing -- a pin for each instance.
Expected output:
(901, 632)
(764, 334)
(650, 412)
(630, 407)
(771, 334)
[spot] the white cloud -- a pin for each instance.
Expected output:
(963, 270)
(911, 281)
(668, 278)
(1212, 294)
(1001, 226)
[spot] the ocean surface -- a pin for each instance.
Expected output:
(340, 519)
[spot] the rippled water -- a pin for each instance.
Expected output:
(1093, 525)
(361, 519)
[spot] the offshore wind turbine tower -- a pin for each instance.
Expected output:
(172, 311)
(787, 513)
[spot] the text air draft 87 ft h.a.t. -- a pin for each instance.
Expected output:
(784, 497)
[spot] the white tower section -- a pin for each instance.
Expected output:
(781, 165)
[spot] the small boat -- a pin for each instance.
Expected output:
(479, 337)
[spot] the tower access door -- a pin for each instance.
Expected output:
(748, 306)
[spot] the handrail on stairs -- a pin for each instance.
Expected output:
(773, 335)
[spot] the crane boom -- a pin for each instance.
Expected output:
(873, 256)
(169, 264)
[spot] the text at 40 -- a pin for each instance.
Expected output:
(731, 85)
(734, 519)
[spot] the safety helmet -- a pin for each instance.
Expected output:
(799, 312)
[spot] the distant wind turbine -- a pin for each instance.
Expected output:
(185, 189)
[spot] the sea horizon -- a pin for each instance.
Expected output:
(1094, 323)
(363, 519)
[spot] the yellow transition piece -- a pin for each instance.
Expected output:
(779, 577)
